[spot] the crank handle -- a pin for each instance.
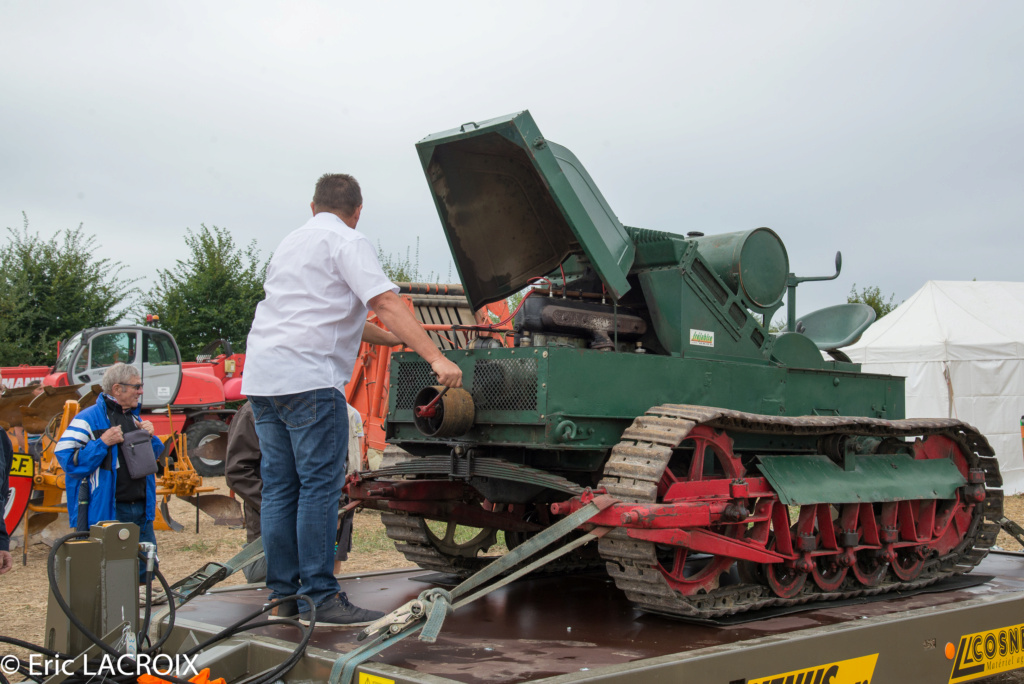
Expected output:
(428, 410)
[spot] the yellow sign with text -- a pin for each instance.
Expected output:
(853, 671)
(987, 653)
(21, 465)
(373, 679)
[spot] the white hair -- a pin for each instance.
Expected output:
(119, 374)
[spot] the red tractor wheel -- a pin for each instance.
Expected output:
(705, 454)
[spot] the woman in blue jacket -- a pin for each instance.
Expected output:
(89, 448)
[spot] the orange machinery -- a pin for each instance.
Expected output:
(447, 317)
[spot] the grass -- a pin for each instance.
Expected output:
(464, 533)
(198, 547)
(370, 538)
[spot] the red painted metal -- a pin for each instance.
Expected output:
(705, 541)
(20, 376)
(409, 490)
(707, 449)
(429, 410)
(20, 490)
(469, 514)
(711, 514)
(750, 487)
(199, 386)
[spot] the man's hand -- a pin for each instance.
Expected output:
(448, 374)
(147, 425)
(112, 436)
(6, 562)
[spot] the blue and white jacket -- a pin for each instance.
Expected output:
(82, 454)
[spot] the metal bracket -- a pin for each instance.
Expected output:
(567, 431)
(460, 467)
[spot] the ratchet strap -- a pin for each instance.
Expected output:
(428, 611)
(184, 590)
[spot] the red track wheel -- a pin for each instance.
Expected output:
(705, 454)
(827, 573)
(908, 564)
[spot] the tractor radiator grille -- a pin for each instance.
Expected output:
(412, 377)
(505, 385)
(498, 384)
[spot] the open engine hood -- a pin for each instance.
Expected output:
(514, 206)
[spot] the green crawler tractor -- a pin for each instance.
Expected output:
(750, 468)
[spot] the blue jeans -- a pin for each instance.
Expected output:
(304, 445)
(136, 513)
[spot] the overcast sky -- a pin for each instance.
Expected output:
(890, 131)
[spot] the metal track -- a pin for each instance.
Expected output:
(636, 465)
(411, 539)
(409, 533)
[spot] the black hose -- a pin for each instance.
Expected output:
(144, 629)
(25, 672)
(30, 647)
(171, 610)
(239, 626)
(51, 575)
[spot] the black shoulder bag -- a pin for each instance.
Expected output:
(138, 453)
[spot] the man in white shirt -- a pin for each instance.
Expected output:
(300, 355)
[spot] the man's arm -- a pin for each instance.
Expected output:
(374, 334)
(78, 453)
(392, 311)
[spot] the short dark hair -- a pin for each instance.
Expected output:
(338, 192)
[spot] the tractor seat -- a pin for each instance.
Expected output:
(837, 326)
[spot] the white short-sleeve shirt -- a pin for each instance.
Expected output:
(306, 332)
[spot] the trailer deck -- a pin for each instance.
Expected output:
(580, 628)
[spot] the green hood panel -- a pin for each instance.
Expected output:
(514, 206)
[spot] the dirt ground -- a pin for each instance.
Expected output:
(23, 591)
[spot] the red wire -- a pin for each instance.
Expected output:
(513, 314)
(521, 302)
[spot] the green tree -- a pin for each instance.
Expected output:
(873, 297)
(211, 295)
(404, 270)
(51, 289)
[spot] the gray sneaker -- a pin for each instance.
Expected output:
(338, 611)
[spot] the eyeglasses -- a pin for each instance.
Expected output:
(137, 386)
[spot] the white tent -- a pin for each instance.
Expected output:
(960, 346)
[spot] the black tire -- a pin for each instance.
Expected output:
(201, 433)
